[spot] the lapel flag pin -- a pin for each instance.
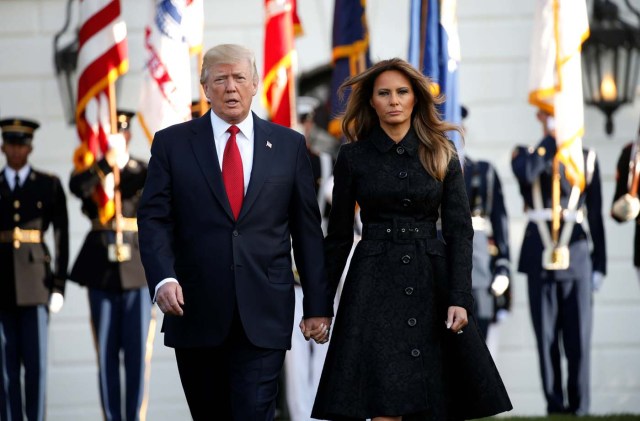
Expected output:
(269, 144)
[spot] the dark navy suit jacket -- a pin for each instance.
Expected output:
(187, 231)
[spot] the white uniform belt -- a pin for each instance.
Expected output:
(536, 215)
(479, 223)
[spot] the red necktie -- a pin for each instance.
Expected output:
(232, 174)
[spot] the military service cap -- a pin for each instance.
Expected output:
(18, 130)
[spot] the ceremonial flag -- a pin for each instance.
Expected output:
(350, 53)
(434, 47)
(172, 36)
(278, 87)
(102, 58)
(555, 76)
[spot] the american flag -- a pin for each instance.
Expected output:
(102, 58)
(279, 61)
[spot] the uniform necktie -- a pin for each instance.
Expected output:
(232, 173)
(16, 184)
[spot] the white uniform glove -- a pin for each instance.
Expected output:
(499, 285)
(56, 300)
(597, 279)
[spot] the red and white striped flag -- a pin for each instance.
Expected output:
(278, 88)
(102, 58)
(172, 36)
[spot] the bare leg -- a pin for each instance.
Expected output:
(386, 419)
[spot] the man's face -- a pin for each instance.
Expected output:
(230, 88)
(16, 154)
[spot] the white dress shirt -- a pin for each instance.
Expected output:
(10, 175)
(244, 139)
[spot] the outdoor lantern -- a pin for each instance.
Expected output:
(65, 61)
(610, 59)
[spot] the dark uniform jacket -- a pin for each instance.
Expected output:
(486, 202)
(622, 187)
(528, 165)
(26, 277)
(92, 267)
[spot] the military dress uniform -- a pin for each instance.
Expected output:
(629, 160)
(561, 300)
(30, 202)
(490, 238)
(121, 314)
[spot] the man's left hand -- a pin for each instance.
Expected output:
(316, 328)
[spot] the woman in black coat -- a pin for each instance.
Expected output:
(402, 348)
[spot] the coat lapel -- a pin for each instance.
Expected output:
(262, 156)
(204, 149)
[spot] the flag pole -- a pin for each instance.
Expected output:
(117, 198)
(202, 101)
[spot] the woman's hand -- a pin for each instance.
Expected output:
(456, 319)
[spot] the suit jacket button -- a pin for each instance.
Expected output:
(408, 290)
(402, 174)
(406, 259)
(400, 150)
(412, 322)
(415, 352)
(406, 203)
(235, 233)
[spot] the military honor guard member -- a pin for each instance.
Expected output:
(121, 314)
(491, 263)
(626, 206)
(30, 202)
(561, 275)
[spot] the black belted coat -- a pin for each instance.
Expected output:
(390, 352)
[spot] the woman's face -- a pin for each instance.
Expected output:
(393, 100)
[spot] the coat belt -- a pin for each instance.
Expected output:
(18, 236)
(126, 224)
(398, 231)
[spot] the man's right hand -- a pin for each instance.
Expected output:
(169, 299)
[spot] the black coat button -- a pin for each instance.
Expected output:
(406, 259)
(400, 150)
(406, 203)
(402, 174)
(408, 290)
(412, 322)
(415, 352)
(235, 233)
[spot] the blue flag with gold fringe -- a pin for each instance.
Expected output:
(350, 54)
(434, 47)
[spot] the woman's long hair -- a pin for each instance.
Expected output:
(359, 118)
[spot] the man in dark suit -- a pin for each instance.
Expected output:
(30, 201)
(226, 195)
(121, 314)
(626, 206)
(561, 276)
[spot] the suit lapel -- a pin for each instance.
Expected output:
(262, 156)
(204, 149)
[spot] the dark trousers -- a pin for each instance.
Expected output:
(23, 342)
(121, 322)
(562, 311)
(234, 381)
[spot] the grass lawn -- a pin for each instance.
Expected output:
(614, 417)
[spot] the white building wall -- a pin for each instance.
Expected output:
(495, 47)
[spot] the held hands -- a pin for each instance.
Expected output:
(169, 299)
(117, 148)
(456, 319)
(316, 328)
